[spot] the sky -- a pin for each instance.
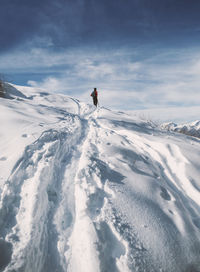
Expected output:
(142, 55)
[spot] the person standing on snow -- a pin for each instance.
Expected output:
(94, 94)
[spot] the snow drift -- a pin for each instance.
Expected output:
(85, 189)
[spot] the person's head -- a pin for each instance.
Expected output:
(95, 89)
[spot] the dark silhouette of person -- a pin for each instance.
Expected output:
(94, 95)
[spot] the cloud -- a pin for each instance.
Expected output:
(174, 114)
(82, 23)
(123, 50)
(126, 79)
(50, 84)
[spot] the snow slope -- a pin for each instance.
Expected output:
(191, 129)
(94, 190)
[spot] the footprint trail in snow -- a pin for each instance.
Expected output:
(95, 190)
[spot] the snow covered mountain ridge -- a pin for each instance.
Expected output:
(86, 189)
(191, 129)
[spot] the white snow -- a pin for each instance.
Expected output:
(191, 129)
(85, 189)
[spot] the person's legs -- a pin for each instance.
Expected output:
(95, 100)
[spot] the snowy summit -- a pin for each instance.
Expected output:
(93, 190)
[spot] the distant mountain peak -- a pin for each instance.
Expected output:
(191, 128)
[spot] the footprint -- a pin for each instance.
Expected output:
(164, 194)
(95, 203)
(52, 196)
(3, 159)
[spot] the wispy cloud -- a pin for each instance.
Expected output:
(126, 79)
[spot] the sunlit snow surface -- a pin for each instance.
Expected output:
(88, 190)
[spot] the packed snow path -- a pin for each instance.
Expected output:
(94, 190)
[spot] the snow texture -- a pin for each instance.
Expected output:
(93, 190)
(191, 129)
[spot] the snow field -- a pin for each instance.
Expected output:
(85, 189)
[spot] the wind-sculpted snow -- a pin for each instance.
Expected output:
(94, 190)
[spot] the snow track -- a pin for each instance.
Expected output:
(31, 198)
(98, 192)
(89, 246)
